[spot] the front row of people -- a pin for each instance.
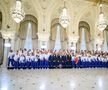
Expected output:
(48, 60)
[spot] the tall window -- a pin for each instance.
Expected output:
(58, 36)
(84, 36)
(58, 40)
(83, 40)
(28, 41)
(27, 37)
(105, 43)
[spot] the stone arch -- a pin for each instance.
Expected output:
(22, 33)
(85, 25)
(63, 35)
(85, 14)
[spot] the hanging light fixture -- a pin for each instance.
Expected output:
(64, 18)
(102, 23)
(7, 43)
(17, 12)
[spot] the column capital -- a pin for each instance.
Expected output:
(43, 36)
(6, 34)
(99, 41)
(73, 39)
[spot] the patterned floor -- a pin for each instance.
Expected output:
(54, 79)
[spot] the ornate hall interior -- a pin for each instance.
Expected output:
(77, 27)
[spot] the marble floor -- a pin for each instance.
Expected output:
(54, 79)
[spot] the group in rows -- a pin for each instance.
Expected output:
(35, 59)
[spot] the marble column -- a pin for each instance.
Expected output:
(7, 34)
(43, 40)
(98, 44)
(12, 43)
(72, 41)
(6, 50)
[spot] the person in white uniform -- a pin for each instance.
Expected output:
(28, 60)
(22, 61)
(10, 59)
(16, 60)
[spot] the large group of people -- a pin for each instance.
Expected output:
(43, 59)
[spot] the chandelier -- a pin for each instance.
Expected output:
(7, 43)
(17, 12)
(102, 23)
(64, 18)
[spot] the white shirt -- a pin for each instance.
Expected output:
(16, 57)
(25, 53)
(32, 58)
(73, 58)
(28, 58)
(41, 56)
(46, 56)
(22, 59)
(10, 55)
(20, 53)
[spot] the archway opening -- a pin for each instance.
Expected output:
(84, 36)
(27, 34)
(54, 35)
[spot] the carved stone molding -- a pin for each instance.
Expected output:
(6, 34)
(43, 36)
(73, 39)
(99, 41)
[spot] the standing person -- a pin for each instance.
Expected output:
(73, 61)
(107, 60)
(20, 51)
(58, 62)
(25, 51)
(46, 60)
(10, 59)
(32, 58)
(77, 61)
(63, 60)
(54, 60)
(36, 61)
(70, 57)
(50, 59)
(41, 57)
(28, 60)
(16, 60)
(22, 61)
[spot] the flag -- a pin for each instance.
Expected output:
(76, 59)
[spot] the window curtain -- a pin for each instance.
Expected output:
(63, 37)
(58, 39)
(52, 37)
(107, 38)
(22, 34)
(28, 41)
(105, 47)
(87, 39)
(83, 40)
